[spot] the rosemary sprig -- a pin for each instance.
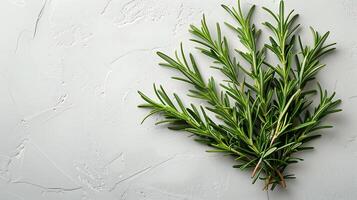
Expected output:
(264, 112)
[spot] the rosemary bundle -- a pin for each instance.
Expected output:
(263, 112)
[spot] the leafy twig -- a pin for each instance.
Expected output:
(264, 112)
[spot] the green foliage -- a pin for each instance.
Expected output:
(264, 112)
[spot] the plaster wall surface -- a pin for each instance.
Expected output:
(70, 128)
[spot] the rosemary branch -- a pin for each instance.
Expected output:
(264, 112)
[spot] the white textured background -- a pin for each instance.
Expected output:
(69, 126)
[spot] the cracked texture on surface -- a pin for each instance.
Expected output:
(69, 71)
